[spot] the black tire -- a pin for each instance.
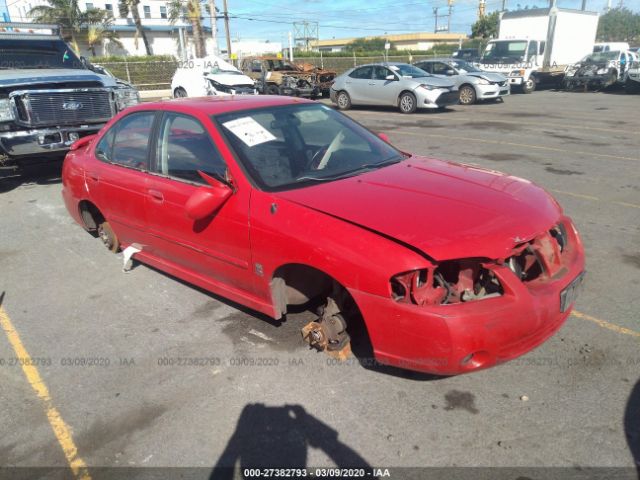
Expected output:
(108, 237)
(467, 95)
(631, 87)
(179, 93)
(343, 100)
(407, 102)
(273, 90)
(530, 85)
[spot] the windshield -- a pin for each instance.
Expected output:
(505, 50)
(280, 66)
(21, 54)
(406, 70)
(600, 57)
(464, 66)
(299, 145)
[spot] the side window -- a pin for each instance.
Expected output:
(184, 147)
(363, 73)
(129, 140)
(532, 51)
(440, 68)
(426, 66)
(542, 44)
(380, 73)
(105, 145)
(256, 66)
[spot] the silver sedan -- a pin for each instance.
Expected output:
(394, 84)
(473, 84)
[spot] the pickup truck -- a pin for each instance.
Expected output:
(49, 97)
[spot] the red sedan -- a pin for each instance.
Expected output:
(275, 201)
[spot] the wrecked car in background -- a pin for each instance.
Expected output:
(276, 76)
(632, 83)
(210, 76)
(599, 70)
(49, 97)
(275, 202)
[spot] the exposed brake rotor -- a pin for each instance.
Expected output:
(329, 333)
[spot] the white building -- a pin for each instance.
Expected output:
(249, 48)
(163, 37)
(403, 41)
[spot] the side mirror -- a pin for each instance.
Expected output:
(384, 137)
(206, 201)
(391, 77)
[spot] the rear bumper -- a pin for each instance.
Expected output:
(41, 141)
(463, 337)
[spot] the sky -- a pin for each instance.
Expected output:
(272, 19)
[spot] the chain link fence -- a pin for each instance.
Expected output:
(157, 75)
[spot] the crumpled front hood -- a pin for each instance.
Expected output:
(9, 78)
(444, 209)
(230, 79)
(590, 68)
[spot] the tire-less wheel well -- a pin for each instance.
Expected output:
(91, 216)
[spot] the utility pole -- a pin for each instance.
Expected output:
(481, 9)
(290, 47)
(226, 27)
(435, 12)
(584, 5)
(214, 26)
(504, 5)
(450, 3)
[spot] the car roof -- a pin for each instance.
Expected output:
(440, 59)
(380, 64)
(215, 105)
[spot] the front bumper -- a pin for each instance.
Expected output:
(463, 337)
(516, 80)
(23, 143)
(494, 90)
(438, 98)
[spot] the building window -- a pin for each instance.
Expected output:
(163, 12)
(147, 11)
(109, 8)
(89, 6)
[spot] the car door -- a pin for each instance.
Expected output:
(215, 248)
(382, 91)
(357, 83)
(117, 181)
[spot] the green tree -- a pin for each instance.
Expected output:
(98, 33)
(619, 25)
(189, 11)
(67, 14)
(487, 26)
(367, 45)
(131, 6)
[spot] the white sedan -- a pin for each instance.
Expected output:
(210, 76)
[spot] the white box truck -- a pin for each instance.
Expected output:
(535, 46)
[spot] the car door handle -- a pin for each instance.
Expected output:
(372, 83)
(348, 83)
(156, 196)
(93, 176)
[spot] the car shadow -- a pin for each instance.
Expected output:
(280, 437)
(632, 425)
(48, 173)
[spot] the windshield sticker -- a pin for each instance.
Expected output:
(65, 57)
(249, 131)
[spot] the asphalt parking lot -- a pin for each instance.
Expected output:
(141, 370)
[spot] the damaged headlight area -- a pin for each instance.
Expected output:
(6, 113)
(449, 282)
(541, 256)
(219, 87)
(126, 97)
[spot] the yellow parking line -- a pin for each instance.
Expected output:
(60, 428)
(605, 324)
(596, 199)
(523, 145)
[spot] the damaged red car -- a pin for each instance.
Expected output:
(275, 202)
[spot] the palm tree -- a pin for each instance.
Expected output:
(96, 35)
(131, 6)
(65, 13)
(191, 11)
